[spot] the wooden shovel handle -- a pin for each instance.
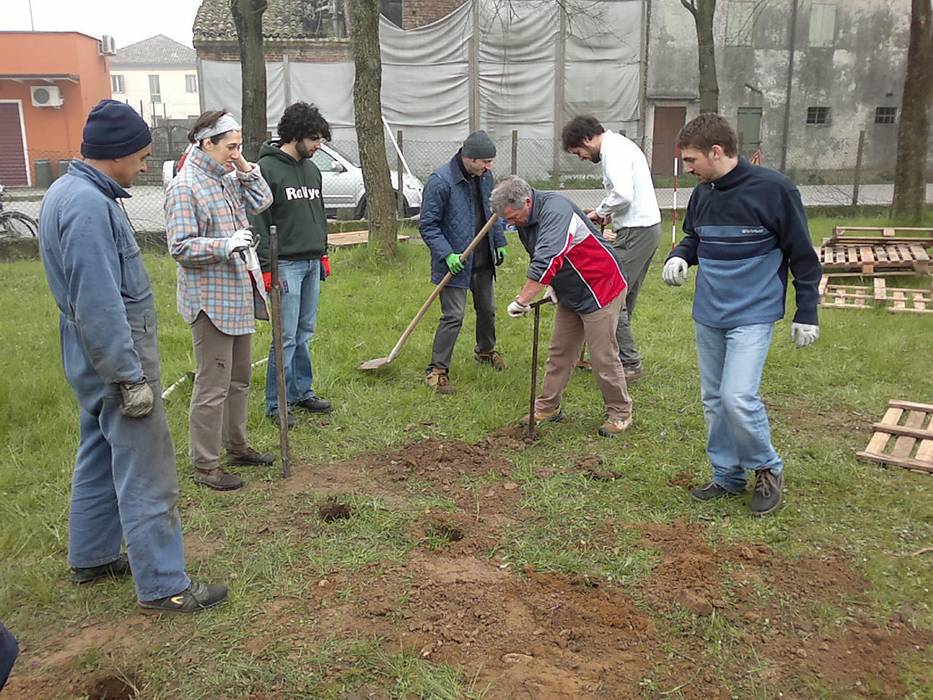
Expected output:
(443, 283)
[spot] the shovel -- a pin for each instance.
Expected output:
(383, 361)
(279, 350)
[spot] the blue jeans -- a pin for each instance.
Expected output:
(738, 435)
(301, 291)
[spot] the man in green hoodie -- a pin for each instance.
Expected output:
(298, 213)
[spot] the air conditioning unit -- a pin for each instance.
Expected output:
(46, 96)
(108, 47)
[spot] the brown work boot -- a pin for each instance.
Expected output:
(248, 457)
(217, 479)
(611, 428)
(634, 372)
(491, 358)
(583, 364)
(437, 380)
(555, 416)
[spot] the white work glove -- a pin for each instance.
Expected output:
(137, 398)
(239, 241)
(517, 309)
(550, 295)
(674, 272)
(803, 334)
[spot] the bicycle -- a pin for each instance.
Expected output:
(16, 224)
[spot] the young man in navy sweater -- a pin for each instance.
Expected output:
(745, 227)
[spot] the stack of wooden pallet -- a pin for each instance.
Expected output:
(860, 251)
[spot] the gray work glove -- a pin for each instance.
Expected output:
(804, 334)
(137, 398)
(674, 272)
(239, 241)
(517, 309)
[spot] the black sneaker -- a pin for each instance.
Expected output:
(769, 490)
(250, 458)
(290, 420)
(710, 491)
(196, 597)
(115, 569)
(314, 404)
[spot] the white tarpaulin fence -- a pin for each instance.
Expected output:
(532, 68)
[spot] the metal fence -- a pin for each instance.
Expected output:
(839, 182)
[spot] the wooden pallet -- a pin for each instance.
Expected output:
(911, 427)
(903, 299)
(882, 233)
(351, 238)
(878, 258)
(894, 299)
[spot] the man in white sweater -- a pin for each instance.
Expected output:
(630, 206)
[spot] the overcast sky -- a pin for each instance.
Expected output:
(127, 21)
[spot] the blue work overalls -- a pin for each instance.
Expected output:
(125, 484)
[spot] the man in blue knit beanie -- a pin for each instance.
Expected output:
(125, 486)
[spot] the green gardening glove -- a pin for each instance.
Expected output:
(453, 263)
(500, 256)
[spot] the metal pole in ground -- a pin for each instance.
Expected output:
(279, 351)
(534, 369)
(858, 168)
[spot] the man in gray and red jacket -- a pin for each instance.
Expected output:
(576, 269)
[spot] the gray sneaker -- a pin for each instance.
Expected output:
(769, 489)
(710, 491)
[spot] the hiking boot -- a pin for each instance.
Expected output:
(769, 489)
(197, 596)
(314, 404)
(633, 372)
(491, 358)
(116, 569)
(710, 491)
(290, 420)
(217, 479)
(611, 428)
(437, 380)
(250, 458)
(583, 364)
(555, 416)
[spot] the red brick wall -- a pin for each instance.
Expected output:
(417, 13)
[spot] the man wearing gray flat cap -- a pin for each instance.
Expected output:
(454, 208)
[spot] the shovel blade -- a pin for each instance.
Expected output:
(375, 364)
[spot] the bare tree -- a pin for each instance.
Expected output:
(247, 16)
(703, 12)
(367, 102)
(913, 130)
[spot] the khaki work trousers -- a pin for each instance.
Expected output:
(598, 331)
(217, 415)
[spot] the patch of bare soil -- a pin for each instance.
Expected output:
(53, 667)
(532, 634)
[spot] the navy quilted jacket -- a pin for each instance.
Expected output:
(447, 220)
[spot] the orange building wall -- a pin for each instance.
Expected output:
(54, 133)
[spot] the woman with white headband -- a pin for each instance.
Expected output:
(206, 208)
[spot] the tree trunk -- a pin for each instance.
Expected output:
(913, 127)
(247, 16)
(367, 102)
(703, 12)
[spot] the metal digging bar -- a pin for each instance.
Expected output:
(379, 362)
(279, 351)
(534, 368)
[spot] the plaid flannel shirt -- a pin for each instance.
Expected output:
(204, 206)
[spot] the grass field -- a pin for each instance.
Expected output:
(584, 568)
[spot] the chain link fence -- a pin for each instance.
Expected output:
(838, 182)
